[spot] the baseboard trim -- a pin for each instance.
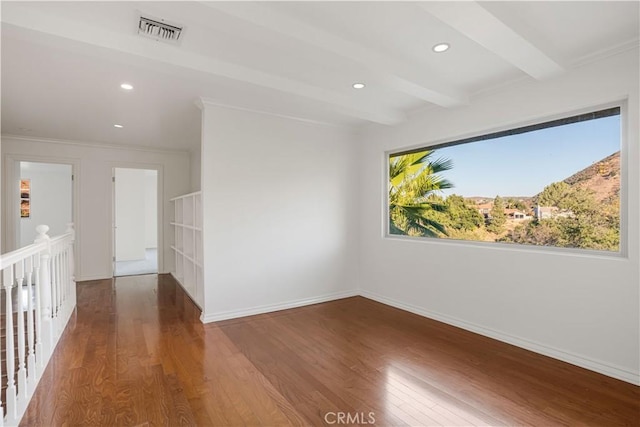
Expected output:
(233, 314)
(90, 278)
(572, 358)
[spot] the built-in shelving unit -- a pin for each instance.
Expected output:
(187, 246)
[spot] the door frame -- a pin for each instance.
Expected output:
(159, 208)
(10, 216)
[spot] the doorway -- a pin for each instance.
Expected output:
(135, 231)
(46, 197)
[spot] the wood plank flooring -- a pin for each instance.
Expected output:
(136, 355)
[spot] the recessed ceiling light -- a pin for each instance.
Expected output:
(441, 47)
(358, 85)
(126, 86)
(118, 126)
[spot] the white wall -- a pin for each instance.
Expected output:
(195, 166)
(131, 213)
(278, 208)
(51, 199)
(93, 180)
(196, 173)
(151, 209)
(580, 308)
(2, 202)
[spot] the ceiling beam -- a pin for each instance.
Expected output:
(32, 19)
(403, 77)
(478, 24)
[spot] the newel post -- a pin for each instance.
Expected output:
(45, 288)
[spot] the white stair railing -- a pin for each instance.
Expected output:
(39, 292)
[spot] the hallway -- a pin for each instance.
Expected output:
(136, 354)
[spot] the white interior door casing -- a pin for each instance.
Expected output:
(50, 198)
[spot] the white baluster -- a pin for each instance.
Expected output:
(31, 358)
(72, 265)
(45, 291)
(40, 359)
(55, 282)
(1, 410)
(65, 274)
(61, 318)
(22, 372)
(12, 407)
(63, 286)
(58, 288)
(54, 292)
(67, 281)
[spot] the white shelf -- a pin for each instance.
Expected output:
(187, 246)
(191, 227)
(186, 257)
(184, 196)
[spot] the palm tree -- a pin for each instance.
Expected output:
(412, 179)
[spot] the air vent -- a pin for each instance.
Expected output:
(160, 30)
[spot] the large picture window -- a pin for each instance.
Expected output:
(552, 184)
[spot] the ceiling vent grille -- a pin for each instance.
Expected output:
(160, 30)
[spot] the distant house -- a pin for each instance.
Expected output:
(512, 214)
(547, 212)
(516, 215)
(484, 209)
(544, 212)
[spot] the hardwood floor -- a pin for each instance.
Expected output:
(136, 355)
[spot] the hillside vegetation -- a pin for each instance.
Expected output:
(582, 211)
(587, 211)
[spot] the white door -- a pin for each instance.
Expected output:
(135, 221)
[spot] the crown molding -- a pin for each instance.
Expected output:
(92, 144)
(606, 53)
(203, 103)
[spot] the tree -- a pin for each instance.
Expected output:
(462, 216)
(585, 222)
(546, 232)
(497, 216)
(553, 194)
(412, 179)
(568, 198)
(512, 203)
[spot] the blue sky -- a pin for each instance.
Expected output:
(522, 165)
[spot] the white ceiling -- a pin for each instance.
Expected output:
(63, 62)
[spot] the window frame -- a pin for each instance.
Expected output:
(510, 129)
